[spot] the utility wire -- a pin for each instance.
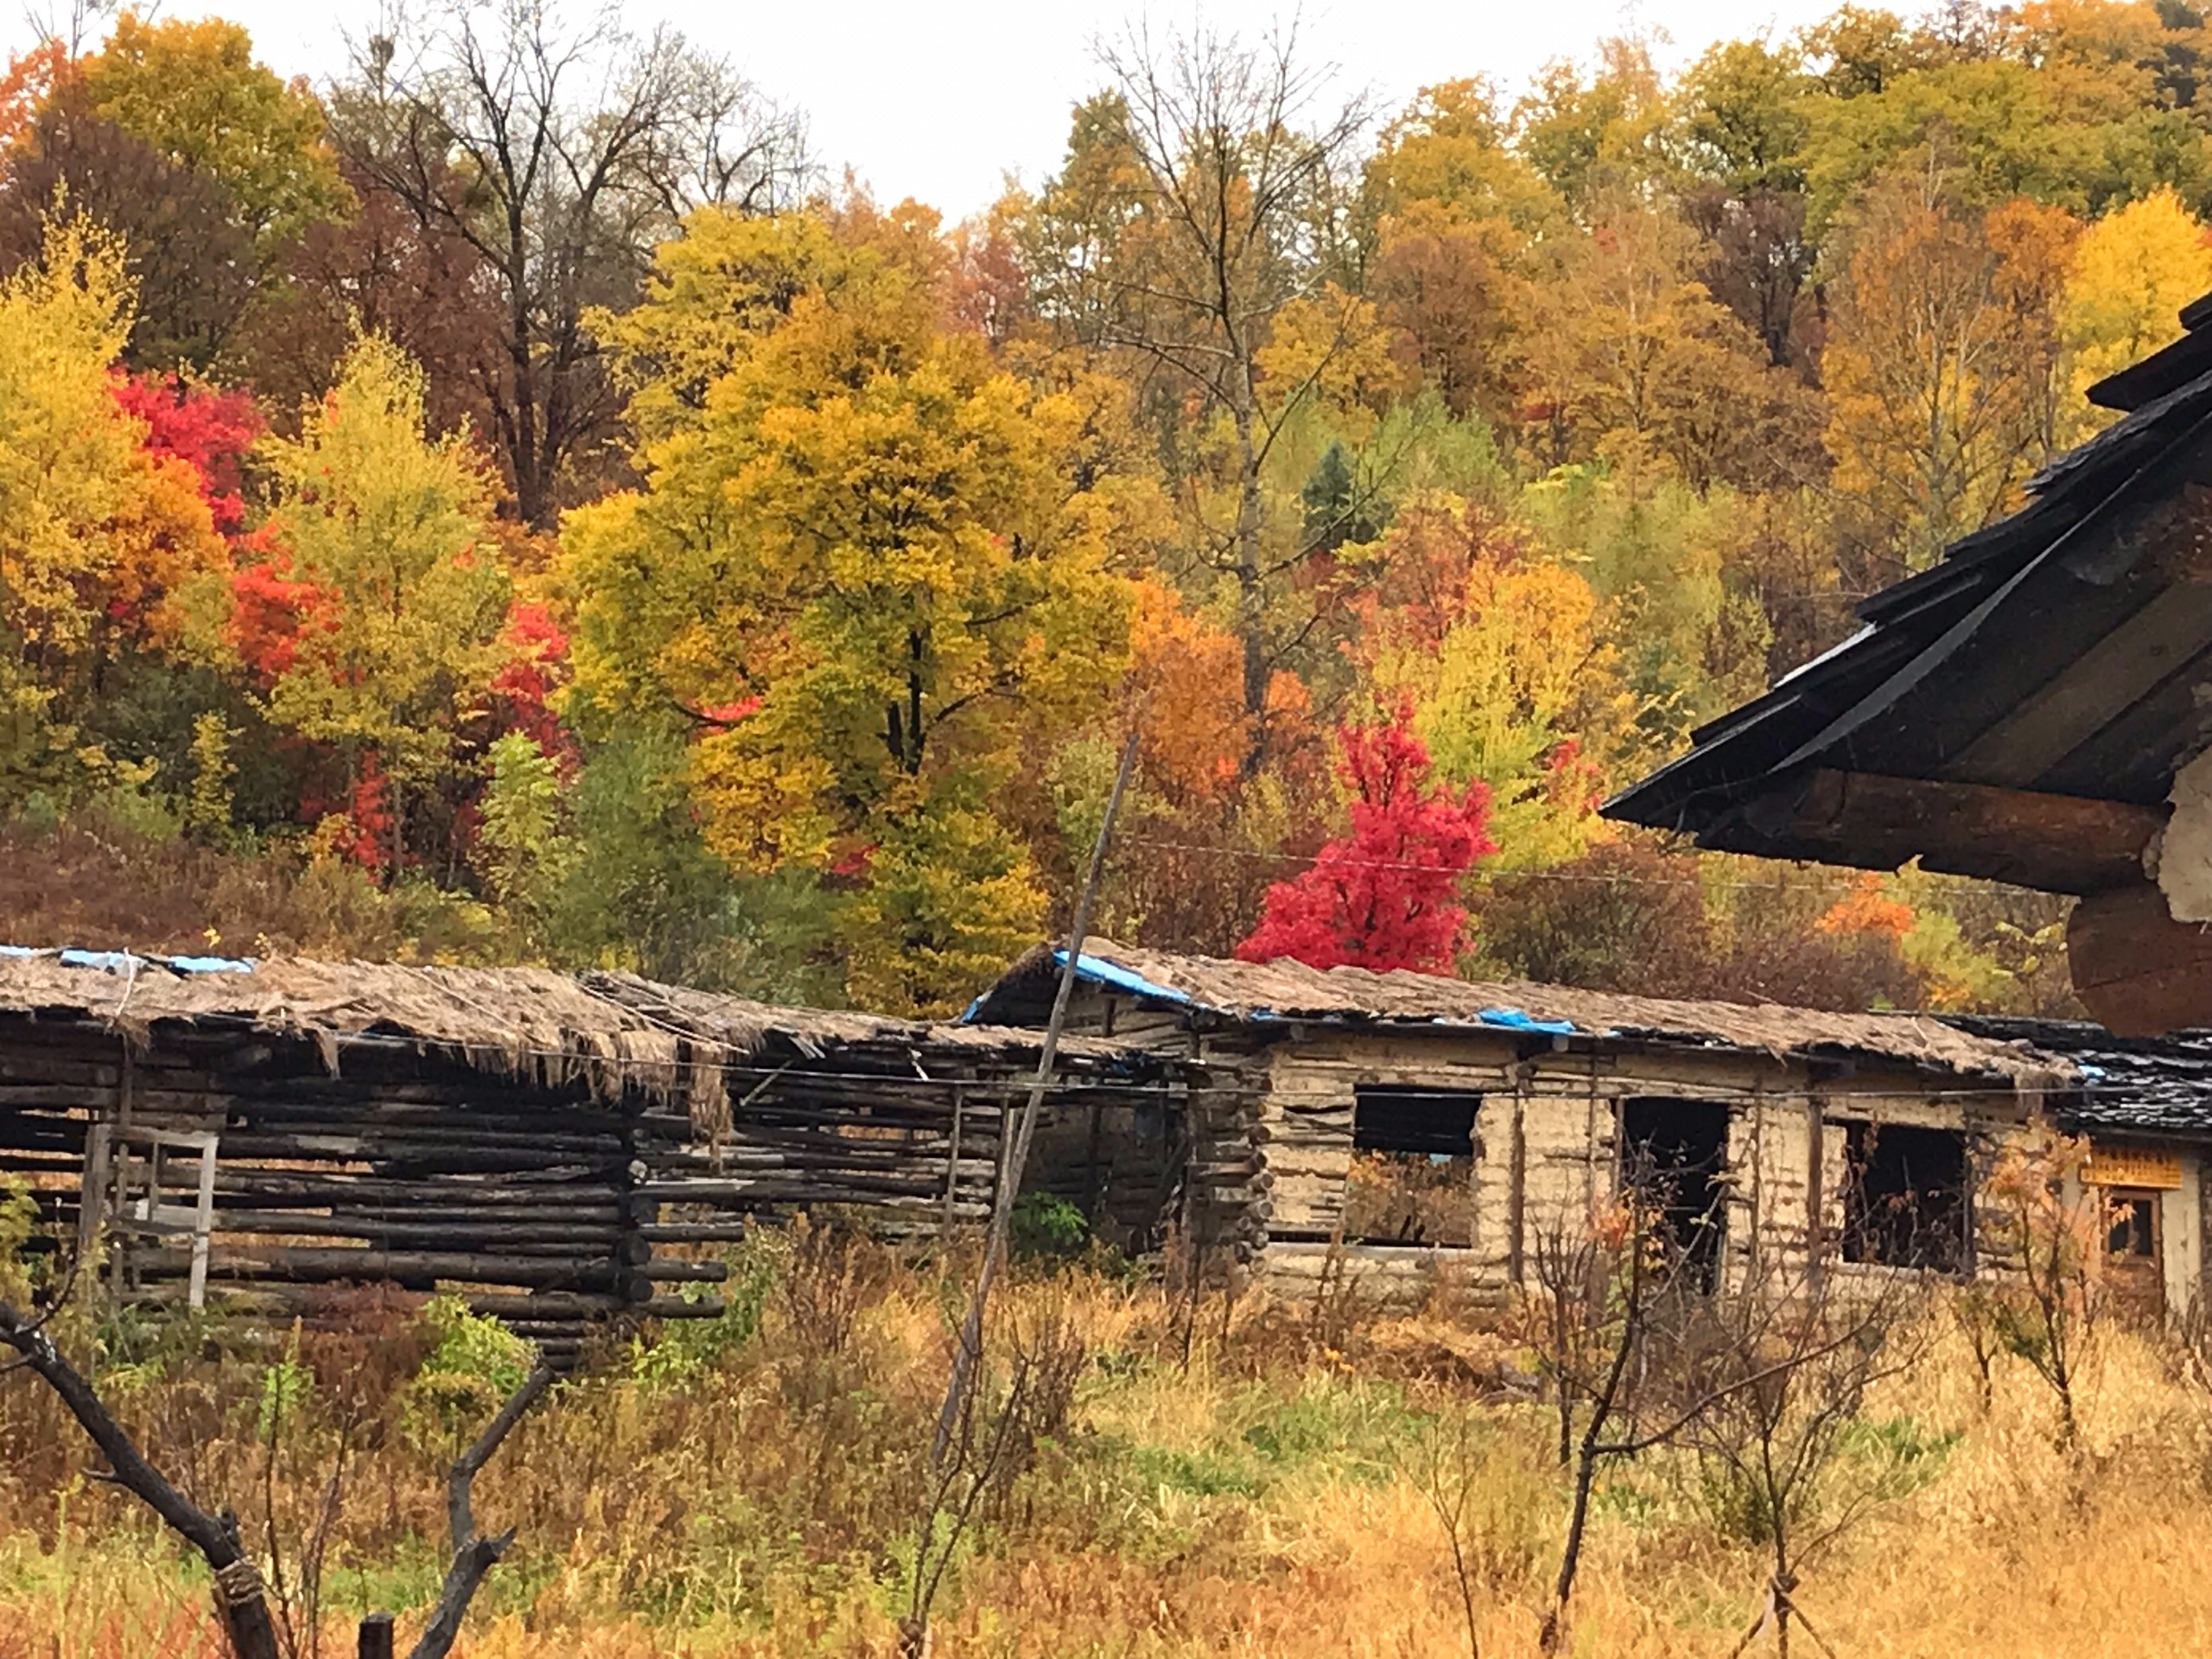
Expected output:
(1608, 878)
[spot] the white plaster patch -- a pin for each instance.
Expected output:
(2180, 856)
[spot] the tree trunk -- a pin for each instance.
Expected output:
(239, 1596)
(1251, 593)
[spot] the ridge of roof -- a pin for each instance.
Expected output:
(1285, 991)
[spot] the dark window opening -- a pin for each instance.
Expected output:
(1904, 1203)
(1412, 1165)
(2134, 1228)
(1676, 1153)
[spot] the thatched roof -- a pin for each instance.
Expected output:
(1273, 992)
(618, 1033)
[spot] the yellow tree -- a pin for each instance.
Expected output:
(712, 292)
(209, 165)
(873, 576)
(1630, 358)
(192, 90)
(1454, 208)
(1450, 149)
(2132, 273)
(102, 544)
(391, 533)
(1586, 136)
(1500, 650)
(1942, 361)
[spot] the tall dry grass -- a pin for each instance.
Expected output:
(751, 1487)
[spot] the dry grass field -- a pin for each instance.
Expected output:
(1257, 1481)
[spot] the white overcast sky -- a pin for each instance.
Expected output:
(941, 101)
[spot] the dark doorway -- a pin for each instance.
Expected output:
(1905, 1203)
(1412, 1166)
(1675, 1152)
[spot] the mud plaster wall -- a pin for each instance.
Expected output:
(1546, 1147)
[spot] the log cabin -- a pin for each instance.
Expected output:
(2035, 708)
(257, 1136)
(1417, 1134)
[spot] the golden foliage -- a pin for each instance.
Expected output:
(1942, 368)
(874, 570)
(2131, 273)
(97, 537)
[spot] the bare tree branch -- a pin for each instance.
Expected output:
(560, 154)
(473, 1554)
(243, 1603)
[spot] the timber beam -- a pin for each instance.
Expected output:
(2060, 844)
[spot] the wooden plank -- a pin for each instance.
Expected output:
(1816, 1231)
(1516, 1195)
(2127, 664)
(2062, 843)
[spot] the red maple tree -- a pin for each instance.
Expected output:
(1386, 895)
(210, 430)
(524, 688)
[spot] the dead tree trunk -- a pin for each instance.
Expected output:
(473, 1554)
(239, 1592)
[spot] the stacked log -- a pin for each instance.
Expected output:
(548, 1207)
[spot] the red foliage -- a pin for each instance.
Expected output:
(369, 814)
(728, 714)
(271, 608)
(523, 687)
(1386, 895)
(210, 431)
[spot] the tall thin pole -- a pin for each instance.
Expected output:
(969, 1353)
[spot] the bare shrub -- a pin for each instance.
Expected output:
(1598, 1278)
(1767, 1381)
(1456, 1463)
(2046, 1226)
(834, 1274)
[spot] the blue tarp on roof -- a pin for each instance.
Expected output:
(126, 962)
(1101, 971)
(1517, 1020)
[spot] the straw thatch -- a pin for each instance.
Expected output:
(614, 1032)
(1283, 990)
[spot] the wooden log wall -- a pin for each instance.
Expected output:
(405, 1168)
(550, 1209)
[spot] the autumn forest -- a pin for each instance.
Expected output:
(514, 503)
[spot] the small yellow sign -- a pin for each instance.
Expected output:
(2111, 1165)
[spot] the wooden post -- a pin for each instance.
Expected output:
(1093, 1188)
(952, 1162)
(1590, 1148)
(375, 1640)
(203, 1225)
(1970, 1246)
(1755, 1206)
(93, 1188)
(1816, 1195)
(1517, 1192)
(118, 1250)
